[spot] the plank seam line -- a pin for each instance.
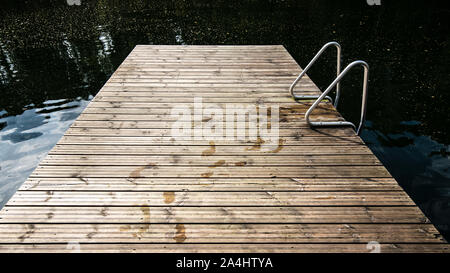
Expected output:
(152, 154)
(196, 177)
(231, 191)
(219, 223)
(202, 145)
(210, 165)
(231, 243)
(216, 206)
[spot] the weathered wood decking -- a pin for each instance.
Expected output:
(116, 181)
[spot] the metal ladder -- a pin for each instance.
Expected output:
(338, 71)
(336, 83)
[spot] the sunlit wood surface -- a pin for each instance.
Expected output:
(118, 182)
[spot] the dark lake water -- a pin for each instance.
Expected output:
(56, 55)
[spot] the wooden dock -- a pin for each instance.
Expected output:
(117, 181)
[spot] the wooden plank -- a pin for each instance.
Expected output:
(297, 134)
(212, 215)
(87, 149)
(277, 145)
(226, 248)
(219, 233)
(108, 93)
(197, 61)
(153, 170)
(260, 199)
(118, 77)
(206, 66)
(220, 103)
(211, 73)
(169, 124)
(291, 112)
(211, 161)
(257, 87)
(210, 184)
(163, 102)
(221, 48)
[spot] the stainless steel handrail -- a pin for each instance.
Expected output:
(338, 71)
(332, 85)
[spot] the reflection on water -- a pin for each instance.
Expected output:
(420, 164)
(7, 68)
(55, 55)
(28, 137)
